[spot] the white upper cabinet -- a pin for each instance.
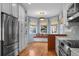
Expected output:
(10, 8)
(15, 10)
(6, 7)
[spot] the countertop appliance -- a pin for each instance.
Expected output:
(9, 35)
(68, 47)
(64, 49)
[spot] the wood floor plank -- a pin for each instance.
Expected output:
(37, 49)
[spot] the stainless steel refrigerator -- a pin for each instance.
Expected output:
(9, 35)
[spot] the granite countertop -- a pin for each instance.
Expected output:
(40, 37)
(63, 38)
(75, 50)
(47, 35)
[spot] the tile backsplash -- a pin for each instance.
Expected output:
(74, 26)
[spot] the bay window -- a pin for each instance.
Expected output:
(54, 25)
(33, 26)
(43, 26)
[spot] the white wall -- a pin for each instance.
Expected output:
(23, 41)
(0, 29)
(74, 26)
(65, 8)
(0, 22)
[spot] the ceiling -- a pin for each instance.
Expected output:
(43, 9)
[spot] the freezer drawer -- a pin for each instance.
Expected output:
(9, 49)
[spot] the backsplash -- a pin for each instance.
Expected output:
(74, 26)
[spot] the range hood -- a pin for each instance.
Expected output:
(74, 18)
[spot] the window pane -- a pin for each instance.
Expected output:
(61, 25)
(53, 29)
(33, 23)
(43, 26)
(54, 25)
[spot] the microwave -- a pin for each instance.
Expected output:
(73, 9)
(73, 13)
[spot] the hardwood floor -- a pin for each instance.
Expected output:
(37, 49)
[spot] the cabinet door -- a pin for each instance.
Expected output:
(6, 7)
(15, 10)
(51, 42)
(57, 46)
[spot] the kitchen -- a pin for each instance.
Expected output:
(54, 25)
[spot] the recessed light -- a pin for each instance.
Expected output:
(13, 4)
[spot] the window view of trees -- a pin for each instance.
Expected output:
(54, 25)
(32, 26)
(43, 26)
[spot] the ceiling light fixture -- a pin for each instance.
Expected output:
(42, 18)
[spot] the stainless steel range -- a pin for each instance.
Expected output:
(64, 49)
(66, 46)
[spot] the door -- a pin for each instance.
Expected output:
(7, 30)
(4, 28)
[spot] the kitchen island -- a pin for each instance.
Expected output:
(50, 38)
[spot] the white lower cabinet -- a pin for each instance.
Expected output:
(57, 45)
(41, 39)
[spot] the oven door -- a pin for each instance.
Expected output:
(61, 52)
(64, 49)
